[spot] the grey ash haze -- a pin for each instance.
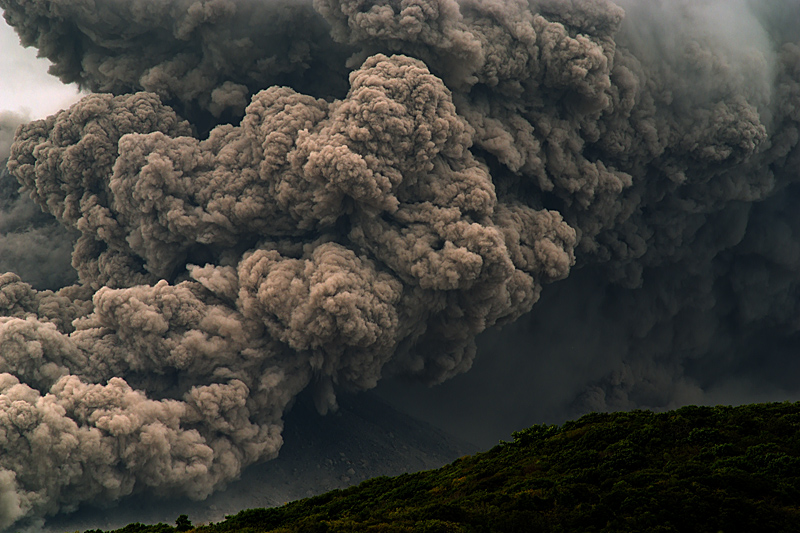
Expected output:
(265, 197)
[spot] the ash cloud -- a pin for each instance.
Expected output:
(260, 210)
(9, 122)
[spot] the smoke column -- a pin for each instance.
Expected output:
(268, 197)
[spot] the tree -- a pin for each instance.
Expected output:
(183, 523)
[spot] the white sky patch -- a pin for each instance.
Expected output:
(25, 86)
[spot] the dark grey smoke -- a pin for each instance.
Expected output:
(9, 121)
(693, 297)
(262, 209)
(32, 242)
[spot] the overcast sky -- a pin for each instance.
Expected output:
(25, 86)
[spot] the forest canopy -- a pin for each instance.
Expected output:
(731, 469)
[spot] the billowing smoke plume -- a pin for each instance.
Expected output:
(273, 196)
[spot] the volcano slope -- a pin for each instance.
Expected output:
(694, 469)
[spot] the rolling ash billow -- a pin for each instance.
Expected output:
(263, 197)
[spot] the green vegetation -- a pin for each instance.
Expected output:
(699, 469)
